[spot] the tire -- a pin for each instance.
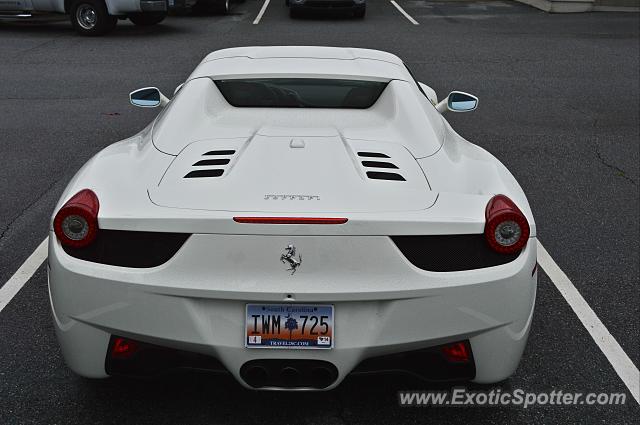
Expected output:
(294, 12)
(221, 7)
(147, 19)
(359, 12)
(91, 17)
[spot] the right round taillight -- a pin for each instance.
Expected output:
(76, 224)
(506, 228)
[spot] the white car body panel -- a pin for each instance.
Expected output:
(400, 114)
(195, 301)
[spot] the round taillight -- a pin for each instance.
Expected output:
(76, 224)
(506, 228)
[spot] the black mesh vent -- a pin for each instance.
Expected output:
(212, 162)
(373, 154)
(379, 164)
(427, 363)
(153, 360)
(204, 173)
(223, 152)
(450, 253)
(381, 175)
(130, 249)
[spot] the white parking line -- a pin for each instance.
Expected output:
(24, 273)
(622, 364)
(406, 15)
(264, 8)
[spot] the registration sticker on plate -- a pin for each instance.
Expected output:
(289, 326)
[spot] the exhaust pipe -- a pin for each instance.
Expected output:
(286, 373)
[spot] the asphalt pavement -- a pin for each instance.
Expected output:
(559, 106)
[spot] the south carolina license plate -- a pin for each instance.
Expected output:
(289, 326)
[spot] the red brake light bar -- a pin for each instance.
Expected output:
(290, 220)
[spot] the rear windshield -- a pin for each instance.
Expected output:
(301, 93)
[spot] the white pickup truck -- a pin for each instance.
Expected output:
(97, 17)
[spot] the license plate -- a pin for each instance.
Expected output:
(289, 326)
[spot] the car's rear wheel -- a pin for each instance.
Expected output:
(91, 17)
(147, 19)
(294, 12)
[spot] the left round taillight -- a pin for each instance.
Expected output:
(506, 228)
(76, 224)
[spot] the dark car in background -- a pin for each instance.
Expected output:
(357, 7)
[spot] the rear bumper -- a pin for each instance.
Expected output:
(383, 305)
(153, 5)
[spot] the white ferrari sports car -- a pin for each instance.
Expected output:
(294, 215)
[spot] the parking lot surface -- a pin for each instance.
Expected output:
(559, 106)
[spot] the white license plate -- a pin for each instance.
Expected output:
(297, 326)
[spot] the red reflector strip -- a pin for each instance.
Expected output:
(456, 352)
(123, 348)
(290, 220)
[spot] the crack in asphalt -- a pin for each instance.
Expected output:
(619, 171)
(25, 209)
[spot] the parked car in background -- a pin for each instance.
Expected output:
(220, 7)
(357, 7)
(97, 17)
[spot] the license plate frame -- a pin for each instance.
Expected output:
(323, 339)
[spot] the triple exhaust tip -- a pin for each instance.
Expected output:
(282, 374)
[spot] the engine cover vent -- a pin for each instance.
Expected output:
(376, 174)
(209, 162)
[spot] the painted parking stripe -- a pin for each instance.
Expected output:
(622, 364)
(23, 274)
(406, 15)
(262, 10)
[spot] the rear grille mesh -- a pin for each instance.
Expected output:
(211, 162)
(126, 248)
(449, 253)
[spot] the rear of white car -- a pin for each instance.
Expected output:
(292, 256)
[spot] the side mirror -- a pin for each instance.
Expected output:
(430, 93)
(458, 101)
(148, 97)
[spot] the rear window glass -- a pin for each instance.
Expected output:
(301, 93)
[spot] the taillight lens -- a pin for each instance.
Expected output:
(76, 224)
(506, 228)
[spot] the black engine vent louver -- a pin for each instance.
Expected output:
(211, 162)
(380, 175)
(211, 172)
(224, 152)
(204, 173)
(379, 164)
(373, 154)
